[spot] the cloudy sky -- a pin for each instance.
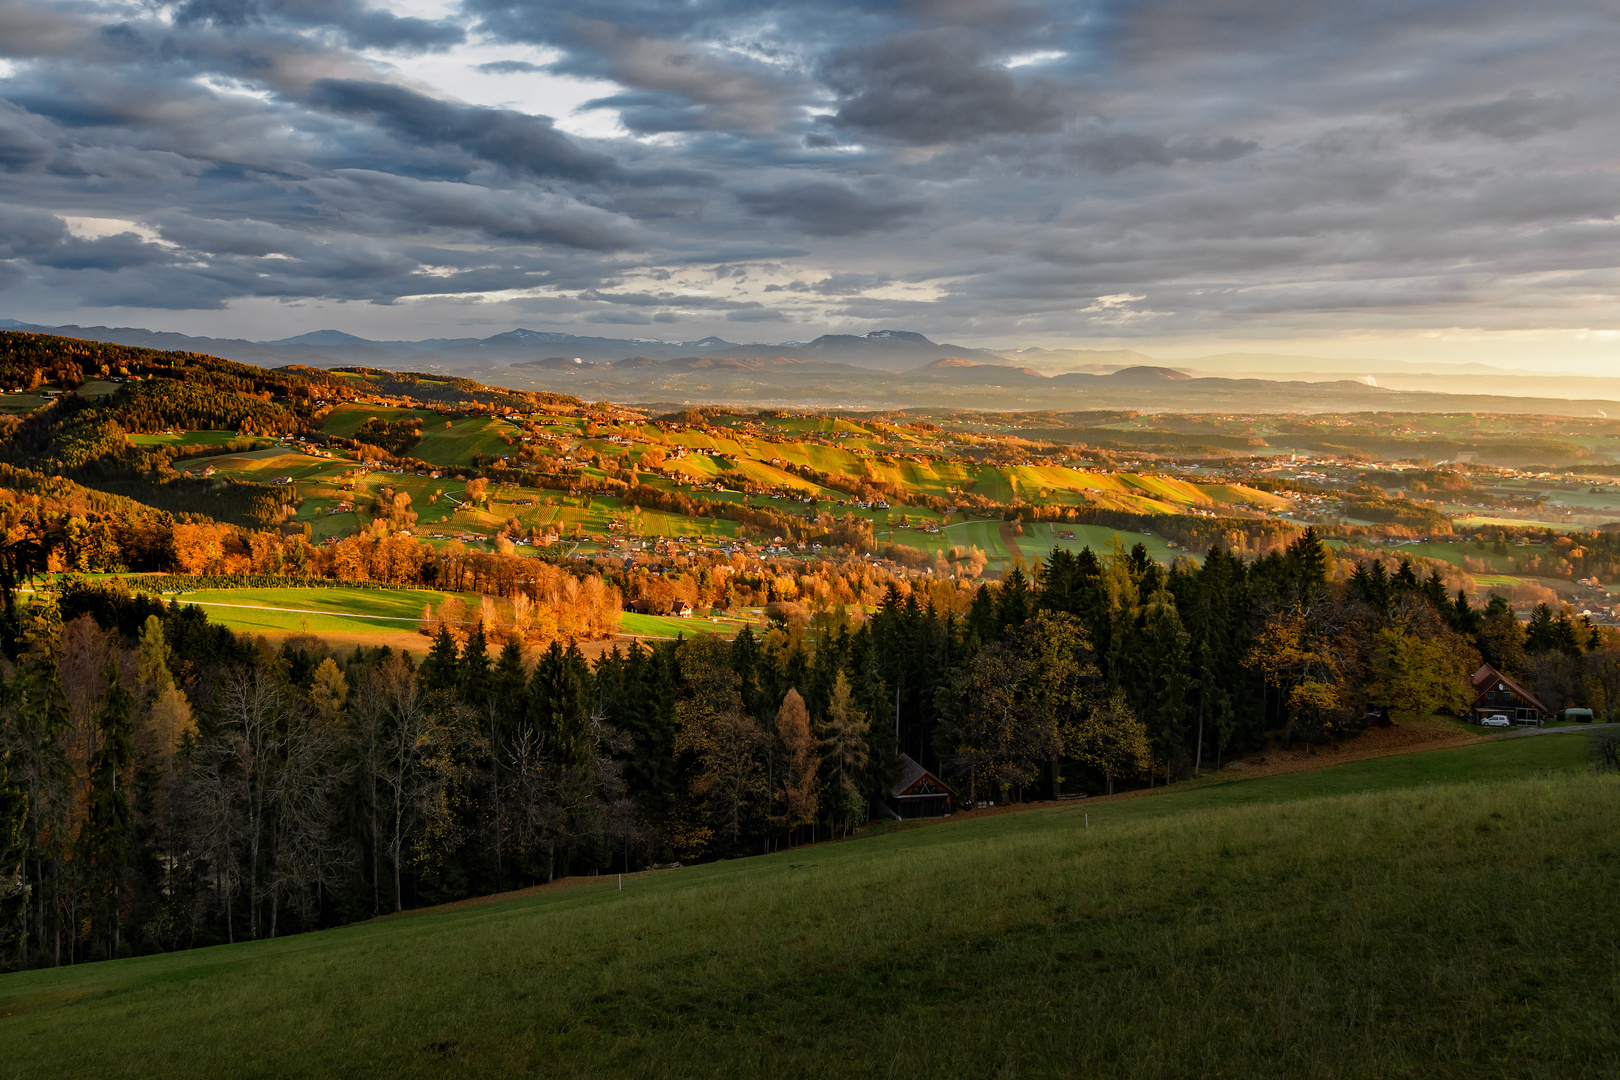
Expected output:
(1421, 178)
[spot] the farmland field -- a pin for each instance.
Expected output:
(189, 438)
(461, 440)
(1040, 537)
(345, 420)
(317, 610)
(668, 626)
(1436, 914)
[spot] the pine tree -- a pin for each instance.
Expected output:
(440, 669)
(14, 887)
(1013, 602)
(1165, 659)
(508, 684)
(104, 835)
(472, 673)
(1464, 618)
(1565, 640)
(1541, 634)
(642, 706)
(1307, 561)
(1405, 577)
(557, 705)
(1062, 587)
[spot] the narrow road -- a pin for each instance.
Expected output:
(1523, 732)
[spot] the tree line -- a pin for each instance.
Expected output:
(170, 784)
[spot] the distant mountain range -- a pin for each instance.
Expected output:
(884, 350)
(896, 368)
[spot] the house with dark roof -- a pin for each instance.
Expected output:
(1496, 694)
(919, 793)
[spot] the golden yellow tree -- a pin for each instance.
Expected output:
(1112, 739)
(798, 745)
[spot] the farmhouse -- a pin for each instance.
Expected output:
(919, 793)
(1495, 693)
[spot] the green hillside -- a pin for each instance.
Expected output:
(457, 442)
(1444, 914)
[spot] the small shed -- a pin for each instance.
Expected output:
(919, 793)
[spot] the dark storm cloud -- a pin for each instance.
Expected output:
(676, 86)
(363, 26)
(529, 145)
(828, 208)
(835, 284)
(511, 67)
(25, 233)
(981, 166)
(937, 86)
(1521, 115)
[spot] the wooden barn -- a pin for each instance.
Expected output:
(919, 793)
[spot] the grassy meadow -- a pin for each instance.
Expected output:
(314, 611)
(1447, 914)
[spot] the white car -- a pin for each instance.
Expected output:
(1496, 721)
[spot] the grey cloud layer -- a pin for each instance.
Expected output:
(977, 167)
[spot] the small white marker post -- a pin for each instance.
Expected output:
(1088, 821)
(621, 883)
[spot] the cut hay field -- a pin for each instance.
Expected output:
(1447, 914)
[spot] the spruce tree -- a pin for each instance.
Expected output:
(1541, 633)
(14, 889)
(104, 835)
(557, 706)
(509, 682)
(1307, 561)
(1164, 662)
(472, 673)
(1013, 602)
(441, 667)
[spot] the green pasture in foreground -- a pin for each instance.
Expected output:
(1447, 914)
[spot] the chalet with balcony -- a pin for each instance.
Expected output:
(1495, 693)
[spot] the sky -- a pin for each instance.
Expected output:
(1417, 180)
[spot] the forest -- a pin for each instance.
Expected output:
(169, 784)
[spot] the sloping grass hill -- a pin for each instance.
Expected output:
(1448, 914)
